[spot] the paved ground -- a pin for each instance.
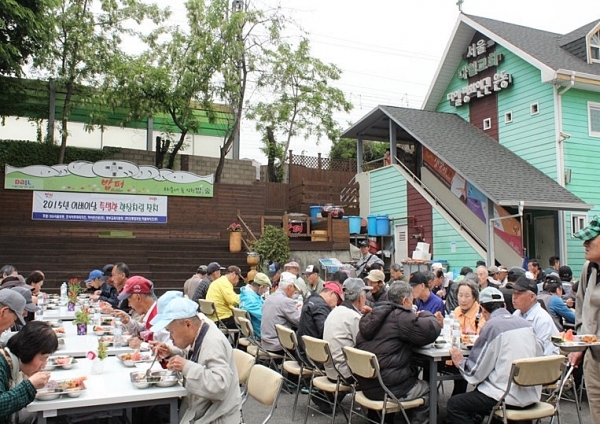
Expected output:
(255, 413)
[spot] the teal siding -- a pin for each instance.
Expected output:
(530, 136)
(581, 156)
(388, 192)
(455, 84)
(444, 235)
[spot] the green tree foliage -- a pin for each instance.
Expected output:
(302, 101)
(86, 37)
(21, 153)
(272, 246)
(345, 148)
(22, 32)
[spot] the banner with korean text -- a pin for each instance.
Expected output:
(58, 206)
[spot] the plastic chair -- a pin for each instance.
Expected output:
(237, 312)
(255, 348)
(243, 363)
(318, 354)
(264, 385)
(289, 342)
(207, 307)
(538, 371)
(364, 364)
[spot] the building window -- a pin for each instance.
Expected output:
(594, 119)
(535, 108)
(508, 117)
(487, 123)
(579, 222)
(595, 47)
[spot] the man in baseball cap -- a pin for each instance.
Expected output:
(12, 305)
(514, 273)
(527, 306)
(251, 299)
(210, 375)
(213, 272)
(106, 292)
(378, 289)
(315, 283)
(30, 307)
(506, 338)
(191, 284)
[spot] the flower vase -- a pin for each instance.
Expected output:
(71, 306)
(235, 241)
(81, 329)
(97, 366)
(252, 259)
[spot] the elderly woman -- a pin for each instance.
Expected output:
(21, 365)
(468, 311)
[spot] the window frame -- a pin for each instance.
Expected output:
(534, 108)
(487, 124)
(594, 46)
(578, 222)
(508, 117)
(593, 106)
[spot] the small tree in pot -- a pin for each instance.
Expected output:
(272, 246)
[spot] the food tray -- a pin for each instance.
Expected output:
(574, 346)
(128, 360)
(55, 323)
(57, 388)
(64, 362)
(163, 378)
(60, 332)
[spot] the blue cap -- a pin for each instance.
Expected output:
(95, 274)
(176, 308)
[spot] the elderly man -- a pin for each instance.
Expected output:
(514, 274)
(140, 294)
(251, 299)
(294, 268)
(426, 300)
(527, 306)
(503, 339)
(315, 311)
(397, 273)
(191, 284)
(587, 311)
(391, 331)
(484, 278)
(375, 280)
(221, 292)
(107, 291)
(341, 325)
(213, 272)
(366, 260)
(280, 308)
(205, 358)
(315, 283)
(12, 305)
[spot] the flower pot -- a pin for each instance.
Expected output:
(252, 259)
(81, 329)
(235, 241)
(71, 306)
(97, 366)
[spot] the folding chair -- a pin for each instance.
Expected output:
(207, 307)
(364, 364)
(538, 371)
(243, 364)
(289, 342)
(318, 354)
(237, 312)
(264, 385)
(255, 348)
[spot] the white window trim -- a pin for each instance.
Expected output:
(508, 117)
(537, 108)
(591, 46)
(487, 124)
(590, 106)
(578, 222)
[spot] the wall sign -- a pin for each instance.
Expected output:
(108, 176)
(481, 88)
(89, 207)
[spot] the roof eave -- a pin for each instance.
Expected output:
(547, 205)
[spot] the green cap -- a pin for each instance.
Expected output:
(591, 231)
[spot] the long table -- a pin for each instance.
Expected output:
(432, 357)
(111, 390)
(79, 346)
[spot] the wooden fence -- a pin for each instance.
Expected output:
(305, 193)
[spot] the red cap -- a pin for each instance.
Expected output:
(136, 285)
(334, 287)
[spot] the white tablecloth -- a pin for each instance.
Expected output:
(110, 390)
(79, 346)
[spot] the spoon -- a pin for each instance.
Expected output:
(153, 361)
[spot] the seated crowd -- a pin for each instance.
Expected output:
(391, 319)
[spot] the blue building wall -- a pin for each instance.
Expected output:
(388, 192)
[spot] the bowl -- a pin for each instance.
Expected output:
(49, 366)
(64, 361)
(167, 381)
(138, 378)
(99, 333)
(47, 394)
(439, 345)
(73, 393)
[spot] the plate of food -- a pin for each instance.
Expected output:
(65, 362)
(55, 323)
(56, 388)
(569, 342)
(468, 340)
(106, 321)
(130, 359)
(60, 332)
(100, 330)
(164, 378)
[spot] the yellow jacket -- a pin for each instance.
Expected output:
(221, 292)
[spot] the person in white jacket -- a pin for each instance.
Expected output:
(204, 356)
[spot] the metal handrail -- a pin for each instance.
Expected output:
(461, 224)
(248, 230)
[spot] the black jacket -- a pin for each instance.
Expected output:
(312, 320)
(381, 296)
(391, 332)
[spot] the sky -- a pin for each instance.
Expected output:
(389, 50)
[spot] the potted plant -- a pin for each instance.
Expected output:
(97, 359)
(82, 320)
(73, 290)
(235, 237)
(272, 246)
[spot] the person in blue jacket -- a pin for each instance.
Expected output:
(252, 301)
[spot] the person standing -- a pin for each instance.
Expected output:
(587, 313)
(366, 260)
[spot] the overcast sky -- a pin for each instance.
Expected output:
(389, 50)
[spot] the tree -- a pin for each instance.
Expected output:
(85, 42)
(175, 75)
(22, 32)
(304, 102)
(345, 148)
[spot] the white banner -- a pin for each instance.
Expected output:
(59, 206)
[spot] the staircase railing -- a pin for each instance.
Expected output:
(247, 230)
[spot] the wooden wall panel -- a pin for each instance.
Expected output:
(422, 223)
